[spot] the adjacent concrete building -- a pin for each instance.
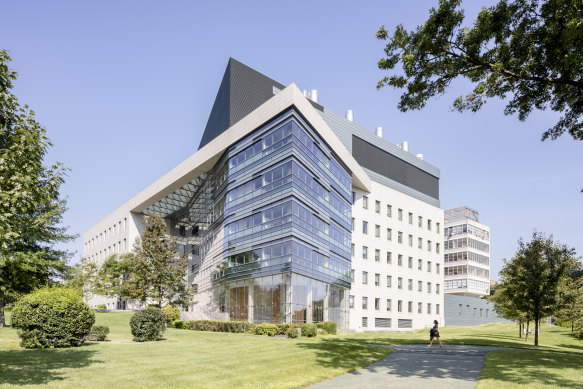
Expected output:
(289, 212)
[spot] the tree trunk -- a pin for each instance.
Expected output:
(572, 326)
(536, 327)
(520, 329)
(2, 321)
(527, 325)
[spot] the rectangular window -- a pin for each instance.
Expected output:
(389, 281)
(400, 214)
(419, 307)
(429, 287)
(437, 309)
(364, 278)
(377, 279)
(429, 266)
(364, 202)
(420, 243)
(437, 248)
(377, 255)
(429, 308)
(410, 240)
(436, 288)
(389, 234)
(420, 222)
(352, 224)
(429, 224)
(365, 227)
(410, 307)
(410, 284)
(437, 268)
(481, 312)
(364, 252)
(377, 206)
(377, 231)
(389, 303)
(400, 283)
(389, 257)
(400, 305)
(410, 218)
(352, 249)
(365, 322)
(419, 264)
(420, 286)
(125, 223)
(353, 197)
(437, 227)
(400, 260)
(487, 311)
(399, 237)
(352, 275)
(377, 304)
(351, 302)
(410, 263)
(365, 303)
(428, 245)
(389, 211)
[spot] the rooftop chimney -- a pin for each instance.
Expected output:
(420, 156)
(314, 95)
(406, 146)
(379, 132)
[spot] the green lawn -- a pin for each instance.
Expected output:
(214, 360)
(185, 359)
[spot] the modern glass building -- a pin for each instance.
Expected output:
(265, 211)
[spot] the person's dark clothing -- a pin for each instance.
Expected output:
(434, 333)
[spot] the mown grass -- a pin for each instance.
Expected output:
(184, 359)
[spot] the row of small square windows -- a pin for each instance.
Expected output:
(389, 307)
(106, 234)
(377, 258)
(399, 213)
(116, 249)
(389, 283)
(399, 237)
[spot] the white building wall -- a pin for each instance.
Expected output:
(431, 251)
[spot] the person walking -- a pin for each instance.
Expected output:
(434, 333)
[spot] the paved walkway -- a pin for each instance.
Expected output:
(416, 366)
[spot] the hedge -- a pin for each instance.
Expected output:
(52, 317)
(172, 314)
(217, 326)
(309, 330)
(100, 331)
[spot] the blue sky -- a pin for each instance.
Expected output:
(125, 88)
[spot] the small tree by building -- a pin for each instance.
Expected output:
(159, 272)
(531, 280)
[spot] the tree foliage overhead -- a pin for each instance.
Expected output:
(528, 51)
(31, 208)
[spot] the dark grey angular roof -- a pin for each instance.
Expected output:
(242, 90)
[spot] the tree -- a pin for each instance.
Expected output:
(531, 280)
(570, 301)
(114, 276)
(82, 277)
(158, 271)
(505, 305)
(31, 209)
(530, 51)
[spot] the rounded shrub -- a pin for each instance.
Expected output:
(172, 314)
(292, 332)
(309, 330)
(100, 331)
(331, 327)
(265, 329)
(148, 324)
(101, 307)
(52, 317)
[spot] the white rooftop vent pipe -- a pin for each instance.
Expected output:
(350, 115)
(406, 146)
(305, 93)
(420, 156)
(379, 132)
(314, 95)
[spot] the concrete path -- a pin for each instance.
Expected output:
(416, 366)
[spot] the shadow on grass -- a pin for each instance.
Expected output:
(39, 367)
(338, 353)
(559, 370)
